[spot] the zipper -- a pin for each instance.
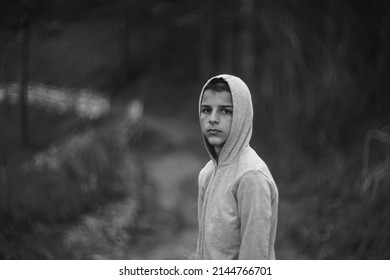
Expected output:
(206, 199)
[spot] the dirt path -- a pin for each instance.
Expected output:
(173, 173)
(174, 228)
(172, 168)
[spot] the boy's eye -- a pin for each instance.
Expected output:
(206, 110)
(227, 111)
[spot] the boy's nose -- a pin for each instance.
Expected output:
(214, 117)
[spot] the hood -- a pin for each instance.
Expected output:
(242, 121)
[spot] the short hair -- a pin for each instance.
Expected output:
(217, 85)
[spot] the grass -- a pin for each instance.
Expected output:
(343, 213)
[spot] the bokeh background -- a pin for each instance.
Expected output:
(100, 146)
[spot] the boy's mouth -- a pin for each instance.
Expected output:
(213, 131)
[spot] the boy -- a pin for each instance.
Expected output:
(238, 198)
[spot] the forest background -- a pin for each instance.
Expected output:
(73, 187)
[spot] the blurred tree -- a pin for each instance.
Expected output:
(247, 38)
(18, 16)
(216, 28)
(25, 57)
(132, 14)
(206, 63)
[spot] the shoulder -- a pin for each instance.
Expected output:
(255, 181)
(254, 177)
(251, 161)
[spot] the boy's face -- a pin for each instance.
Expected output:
(216, 114)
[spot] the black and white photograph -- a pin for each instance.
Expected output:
(155, 130)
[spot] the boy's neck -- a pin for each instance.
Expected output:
(217, 150)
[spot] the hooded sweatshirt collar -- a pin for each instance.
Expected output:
(242, 122)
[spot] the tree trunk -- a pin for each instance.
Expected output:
(247, 42)
(4, 183)
(24, 80)
(206, 47)
(126, 46)
(227, 50)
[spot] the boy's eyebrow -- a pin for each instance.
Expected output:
(220, 106)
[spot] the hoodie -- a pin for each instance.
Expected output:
(238, 198)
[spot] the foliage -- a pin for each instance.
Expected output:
(82, 173)
(318, 66)
(345, 216)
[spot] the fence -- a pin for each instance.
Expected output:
(86, 103)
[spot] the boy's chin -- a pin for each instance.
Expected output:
(213, 141)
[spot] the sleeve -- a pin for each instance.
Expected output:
(255, 211)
